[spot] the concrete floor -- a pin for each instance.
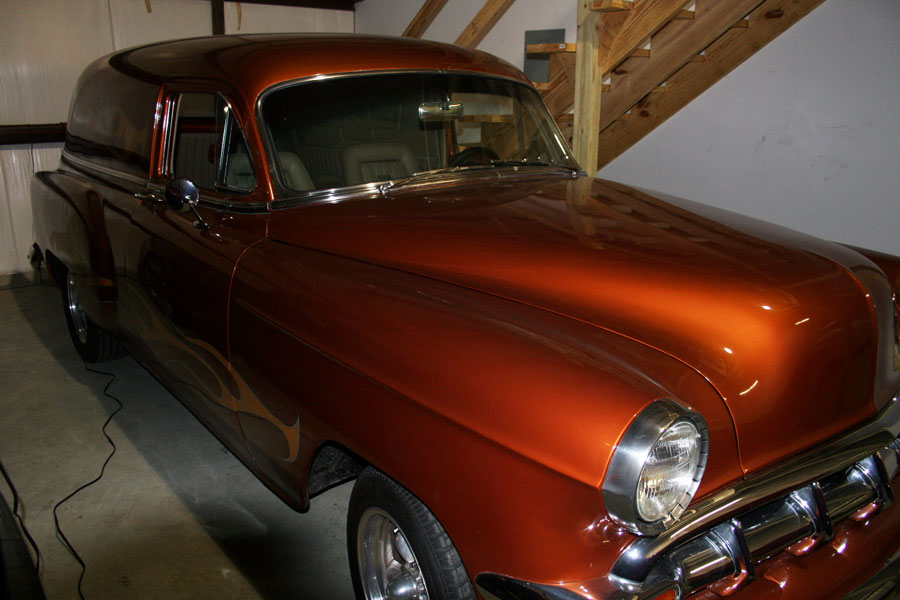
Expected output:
(176, 515)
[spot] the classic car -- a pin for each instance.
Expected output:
(375, 258)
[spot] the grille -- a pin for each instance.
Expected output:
(723, 557)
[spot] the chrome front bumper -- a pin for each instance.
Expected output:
(718, 542)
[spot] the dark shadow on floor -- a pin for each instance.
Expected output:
(281, 552)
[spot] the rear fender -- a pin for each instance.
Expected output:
(69, 225)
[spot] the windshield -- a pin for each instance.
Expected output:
(355, 130)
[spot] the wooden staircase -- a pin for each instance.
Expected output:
(637, 62)
(686, 49)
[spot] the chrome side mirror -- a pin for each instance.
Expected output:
(182, 195)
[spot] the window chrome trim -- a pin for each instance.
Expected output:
(213, 203)
(439, 180)
(93, 169)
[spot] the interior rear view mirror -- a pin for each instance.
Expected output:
(440, 111)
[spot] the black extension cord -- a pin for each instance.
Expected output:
(59, 532)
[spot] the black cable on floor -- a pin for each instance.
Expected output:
(65, 541)
(15, 510)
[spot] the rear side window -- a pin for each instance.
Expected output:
(111, 119)
(209, 147)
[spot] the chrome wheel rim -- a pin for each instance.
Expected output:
(387, 565)
(79, 320)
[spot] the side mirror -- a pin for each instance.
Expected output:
(182, 194)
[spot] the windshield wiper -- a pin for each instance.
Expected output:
(532, 163)
(394, 184)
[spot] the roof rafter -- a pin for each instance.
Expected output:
(483, 22)
(424, 18)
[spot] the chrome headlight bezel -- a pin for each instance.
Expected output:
(620, 485)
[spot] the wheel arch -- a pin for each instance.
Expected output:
(332, 464)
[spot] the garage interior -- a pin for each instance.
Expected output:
(779, 109)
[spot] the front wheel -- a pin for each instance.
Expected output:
(397, 548)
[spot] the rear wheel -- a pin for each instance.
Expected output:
(397, 548)
(92, 343)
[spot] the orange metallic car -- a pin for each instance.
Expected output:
(375, 258)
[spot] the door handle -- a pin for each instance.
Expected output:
(148, 196)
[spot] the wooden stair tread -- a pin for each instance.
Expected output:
(550, 48)
(611, 5)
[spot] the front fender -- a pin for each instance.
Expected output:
(500, 417)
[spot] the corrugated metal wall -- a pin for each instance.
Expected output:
(44, 45)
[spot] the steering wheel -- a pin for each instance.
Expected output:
(476, 155)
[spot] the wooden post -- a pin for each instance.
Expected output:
(588, 87)
(218, 17)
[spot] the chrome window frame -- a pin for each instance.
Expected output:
(168, 171)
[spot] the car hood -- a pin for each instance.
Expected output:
(783, 325)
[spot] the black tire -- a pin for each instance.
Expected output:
(436, 563)
(92, 343)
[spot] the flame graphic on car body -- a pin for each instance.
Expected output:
(196, 364)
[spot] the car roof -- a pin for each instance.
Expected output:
(252, 63)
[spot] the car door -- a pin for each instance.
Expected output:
(180, 262)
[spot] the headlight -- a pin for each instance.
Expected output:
(656, 468)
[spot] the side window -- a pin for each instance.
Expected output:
(209, 147)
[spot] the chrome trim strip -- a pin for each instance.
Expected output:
(92, 169)
(639, 559)
(438, 181)
(216, 204)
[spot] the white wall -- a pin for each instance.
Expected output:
(44, 45)
(806, 133)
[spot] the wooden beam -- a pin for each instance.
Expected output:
(44, 133)
(346, 5)
(483, 22)
(423, 19)
(588, 86)
(646, 19)
(673, 46)
(767, 21)
(218, 17)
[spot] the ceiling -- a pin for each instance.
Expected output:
(332, 4)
